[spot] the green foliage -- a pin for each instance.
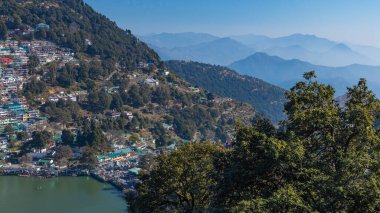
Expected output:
(68, 30)
(134, 138)
(99, 101)
(180, 179)
(21, 136)
(67, 137)
(325, 158)
(161, 135)
(341, 146)
(88, 158)
(188, 120)
(8, 129)
(34, 87)
(40, 139)
(161, 95)
(3, 31)
(135, 98)
(63, 155)
(33, 64)
(62, 111)
(266, 98)
(93, 137)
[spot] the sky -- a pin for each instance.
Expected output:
(353, 21)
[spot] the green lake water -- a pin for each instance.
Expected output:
(58, 195)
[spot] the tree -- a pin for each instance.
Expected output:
(146, 161)
(341, 146)
(88, 158)
(98, 102)
(134, 97)
(161, 95)
(33, 88)
(254, 170)
(93, 137)
(117, 102)
(33, 63)
(63, 155)
(104, 100)
(21, 136)
(52, 73)
(8, 129)
(40, 139)
(67, 137)
(161, 135)
(3, 31)
(265, 126)
(181, 180)
(134, 138)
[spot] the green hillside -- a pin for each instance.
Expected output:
(71, 23)
(116, 75)
(266, 98)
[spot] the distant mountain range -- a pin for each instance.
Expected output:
(215, 50)
(310, 42)
(266, 98)
(221, 51)
(280, 61)
(170, 40)
(285, 73)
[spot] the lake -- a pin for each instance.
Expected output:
(62, 194)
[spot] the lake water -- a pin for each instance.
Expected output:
(63, 194)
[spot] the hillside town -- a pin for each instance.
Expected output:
(33, 143)
(17, 118)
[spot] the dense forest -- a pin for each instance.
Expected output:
(325, 158)
(266, 98)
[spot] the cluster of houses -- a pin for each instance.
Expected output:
(18, 113)
(73, 96)
(121, 167)
(47, 52)
(14, 66)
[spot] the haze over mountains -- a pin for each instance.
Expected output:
(280, 61)
(285, 73)
(221, 51)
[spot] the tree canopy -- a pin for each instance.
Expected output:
(180, 179)
(324, 158)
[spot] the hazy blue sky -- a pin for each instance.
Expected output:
(356, 21)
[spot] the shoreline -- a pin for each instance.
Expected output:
(44, 174)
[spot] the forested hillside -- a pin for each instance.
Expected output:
(75, 25)
(120, 85)
(266, 98)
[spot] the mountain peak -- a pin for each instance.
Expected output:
(263, 56)
(341, 47)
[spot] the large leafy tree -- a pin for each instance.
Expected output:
(40, 139)
(92, 136)
(256, 171)
(67, 137)
(339, 168)
(179, 180)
